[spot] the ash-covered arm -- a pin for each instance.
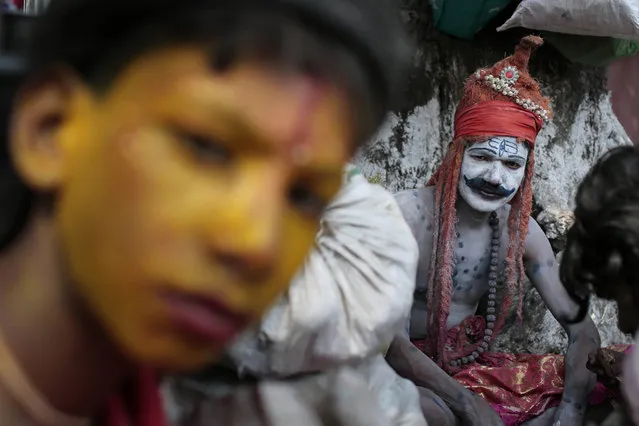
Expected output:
(543, 271)
(412, 364)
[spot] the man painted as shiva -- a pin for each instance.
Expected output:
(477, 240)
(163, 169)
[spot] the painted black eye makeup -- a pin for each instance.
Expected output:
(514, 165)
(482, 154)
(480, 157)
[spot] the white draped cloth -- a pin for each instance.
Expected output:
(346, 304)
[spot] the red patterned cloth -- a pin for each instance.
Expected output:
(518, 387)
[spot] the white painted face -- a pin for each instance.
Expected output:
(492, 172)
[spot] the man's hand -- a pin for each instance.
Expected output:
(607, 365)
(412, 364)
(475, 411)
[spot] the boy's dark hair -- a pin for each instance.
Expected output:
(602, 250)
(357, 44)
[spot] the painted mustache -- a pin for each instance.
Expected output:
(479, 184)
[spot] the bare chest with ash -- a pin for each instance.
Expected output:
(478, 257)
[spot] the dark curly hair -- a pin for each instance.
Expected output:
(602, 250)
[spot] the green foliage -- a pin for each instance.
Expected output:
(376, 180)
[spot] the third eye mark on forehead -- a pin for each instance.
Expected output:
(504, 146)
(500, 147)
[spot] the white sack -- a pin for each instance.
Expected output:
(368, 395)
(350, 298)
(604, 18)
(398, 398)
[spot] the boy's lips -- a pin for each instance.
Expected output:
(204, 317)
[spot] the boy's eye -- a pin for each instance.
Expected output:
(204, 149)
(305, 199)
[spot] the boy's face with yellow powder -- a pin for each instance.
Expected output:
(186, 199)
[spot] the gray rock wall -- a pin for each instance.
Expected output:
(410, 145)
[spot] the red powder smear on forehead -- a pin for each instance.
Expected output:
(311, 95)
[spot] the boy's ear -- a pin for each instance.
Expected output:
(40, 110)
